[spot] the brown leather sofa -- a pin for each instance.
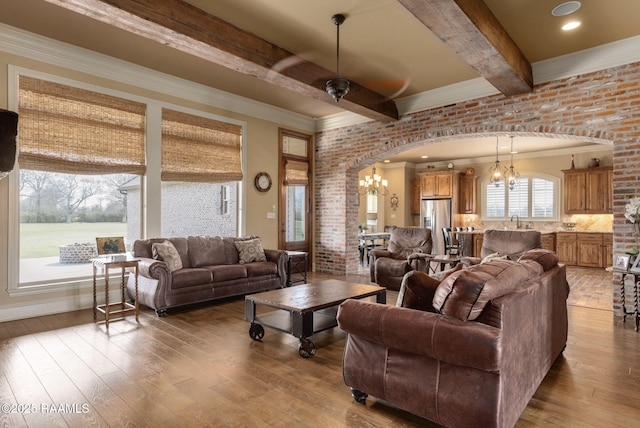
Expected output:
(409, 249)
(211, 269)
(510, 243)
(469, 351)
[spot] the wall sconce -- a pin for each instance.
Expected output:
(394, 202)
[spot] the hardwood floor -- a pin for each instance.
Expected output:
(200, 368)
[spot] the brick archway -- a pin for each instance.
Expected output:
(601, 107)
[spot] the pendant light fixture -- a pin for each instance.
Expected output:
(337, 87)
(497, 171)
(513, 175)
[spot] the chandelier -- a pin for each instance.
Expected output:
(373, 184)
(497, 171)
(512, 176)
(337, 87)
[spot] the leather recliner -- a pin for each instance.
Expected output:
(409, 249)
(510, 243)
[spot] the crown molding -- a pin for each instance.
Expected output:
(339, 120)
(621, 52)
(610, 55)
(29, 45)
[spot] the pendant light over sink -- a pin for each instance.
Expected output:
(512, 176)
(337, 87)
(497, 171)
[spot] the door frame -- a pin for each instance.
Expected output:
(282, 197)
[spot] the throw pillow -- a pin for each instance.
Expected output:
(250, 251)
(441, 276)
(417, 290)
(465, 293)
(166, 252)
(545, 258)
(494, 256)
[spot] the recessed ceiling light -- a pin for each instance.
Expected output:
(571, 25)
(424, 157)
(566, 8)
(386, 161)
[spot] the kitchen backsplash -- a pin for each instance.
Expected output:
(602, 223)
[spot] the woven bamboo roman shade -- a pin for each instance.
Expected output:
(296, 172)
(76, 131)
(198, 149)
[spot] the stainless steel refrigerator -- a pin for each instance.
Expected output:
(436, 214)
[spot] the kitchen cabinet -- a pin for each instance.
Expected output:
(607, 249)
(468, 194)
(549, 241)
(477, 244)
(588, 191)
(585, 249)
(589, 250)
(439, 184)
(566, 247)
(414, 191)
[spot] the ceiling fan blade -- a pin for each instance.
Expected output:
(391, 88)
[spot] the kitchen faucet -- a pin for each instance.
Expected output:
(517, 220)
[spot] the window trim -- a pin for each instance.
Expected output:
(529, 176)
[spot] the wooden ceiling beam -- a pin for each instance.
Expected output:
(475, 35)
(184, 27)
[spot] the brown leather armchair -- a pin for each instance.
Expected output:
(469, 351)
(409, 249)
(510, 243)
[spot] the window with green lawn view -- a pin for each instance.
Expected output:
(77, 149)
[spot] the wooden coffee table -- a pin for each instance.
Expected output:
(306, 309)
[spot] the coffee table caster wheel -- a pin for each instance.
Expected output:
(359, 396)
(306, 349)
(256, 331)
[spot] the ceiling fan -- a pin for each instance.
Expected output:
(339, 86)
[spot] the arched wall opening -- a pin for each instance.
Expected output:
(600, 107)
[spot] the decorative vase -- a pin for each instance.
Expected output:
(594, 163)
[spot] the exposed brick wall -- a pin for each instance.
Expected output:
(601, 107)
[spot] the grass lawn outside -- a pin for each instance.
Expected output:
(44, 239)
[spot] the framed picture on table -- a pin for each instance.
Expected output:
(110, 245)
(621, 262)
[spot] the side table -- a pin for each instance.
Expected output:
(117, 308)
(636, 311)
(297, 264)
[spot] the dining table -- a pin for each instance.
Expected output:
(370, 241)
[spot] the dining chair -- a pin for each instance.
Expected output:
(450, 245)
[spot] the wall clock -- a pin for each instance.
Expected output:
(262, 182)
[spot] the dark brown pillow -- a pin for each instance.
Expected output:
(545, 258)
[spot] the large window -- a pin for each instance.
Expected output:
(76, 147)
(534, 198)
(82, 173)
(201, 168)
